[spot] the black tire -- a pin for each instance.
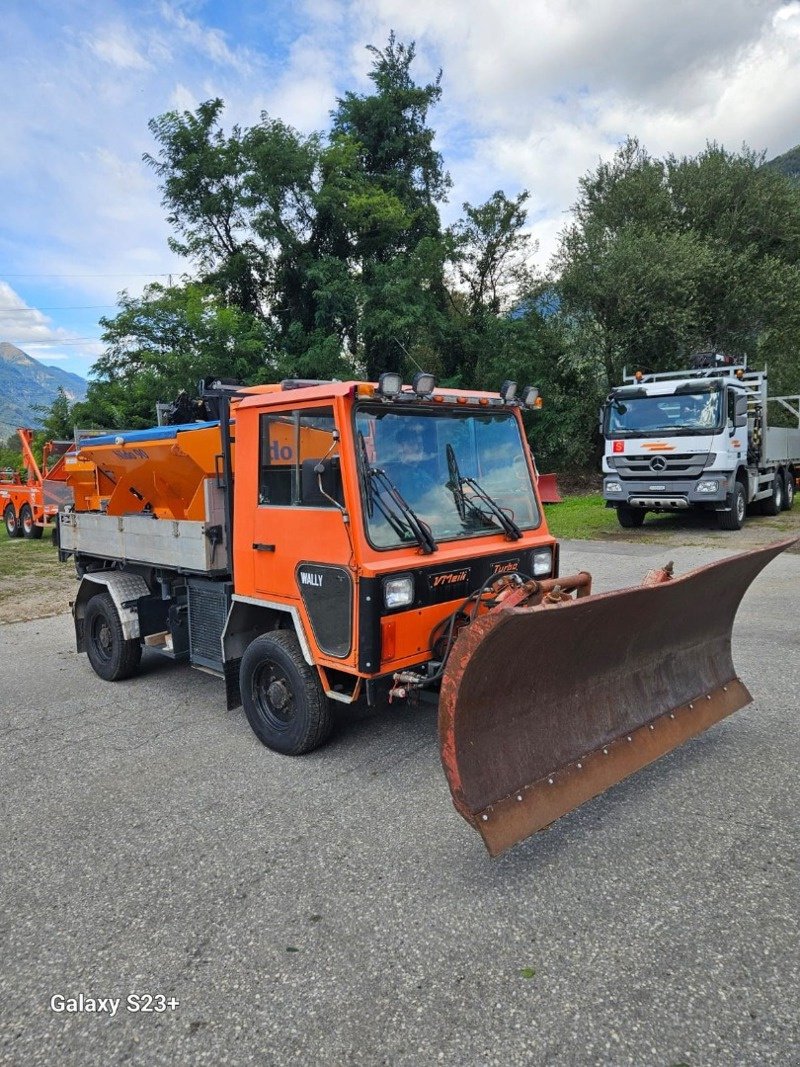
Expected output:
(629, 518)
(13, 528)
(282, 695)
(110, 654)
(734, 519)
(773, 505)
(30, 531)
(788, 489)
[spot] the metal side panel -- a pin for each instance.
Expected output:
(782, 444)
(183, 545)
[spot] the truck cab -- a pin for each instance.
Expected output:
(357, 512)
(691, 439)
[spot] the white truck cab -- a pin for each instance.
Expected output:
(697, 438)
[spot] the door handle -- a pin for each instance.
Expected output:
(263, 548)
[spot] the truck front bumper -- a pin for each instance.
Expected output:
(668, 495)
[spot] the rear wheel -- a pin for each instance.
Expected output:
(629, 518)
(773, 505)
(282, 695)
(29, 528)
(111, 655)
(734, 519)
(788, 489)
(13, 528)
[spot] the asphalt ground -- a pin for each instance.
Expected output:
(334, 909)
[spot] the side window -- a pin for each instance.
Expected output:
(731, 408)
(291, 445)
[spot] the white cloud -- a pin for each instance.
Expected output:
(114, 46)
(534, 93)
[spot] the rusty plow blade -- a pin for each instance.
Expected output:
(543, 708)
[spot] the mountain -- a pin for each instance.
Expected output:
(788, 163)
(26, 383)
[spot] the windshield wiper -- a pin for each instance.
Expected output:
(465, 505)
(380, 492)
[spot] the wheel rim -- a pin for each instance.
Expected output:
(101, 638)
(778, 493)
(272, 695)
(740, 506)
(790, 490)
(27, 522)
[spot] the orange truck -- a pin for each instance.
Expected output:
(316, 542)
(31, 504)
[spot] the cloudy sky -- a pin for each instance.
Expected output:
(535, 92)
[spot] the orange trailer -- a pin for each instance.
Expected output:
(321, 542)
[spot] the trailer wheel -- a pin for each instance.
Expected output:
(629, 518)
(282, 695)
(30, 530)
(773, 505)
(734, 519)
(788, 490)
(111, 655)
(13, 528)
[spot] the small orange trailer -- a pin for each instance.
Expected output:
(31, 503)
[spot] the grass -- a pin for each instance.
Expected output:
(582, 516)
(33, 584)
(20, 558)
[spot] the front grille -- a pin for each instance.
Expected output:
(683, 465)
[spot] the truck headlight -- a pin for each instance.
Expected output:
(398, 592)
(542, 562)
(613, 487)
(707, 487)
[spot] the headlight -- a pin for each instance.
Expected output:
(542, 562)
(613, 487)
(398, 592)
(707, 487)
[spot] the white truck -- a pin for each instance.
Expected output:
(698, 438)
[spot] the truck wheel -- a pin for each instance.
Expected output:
(110, 654)
(788, 490)
(734, 519)
(629, 518)
(773, 505)
(13, 528)
(30, 530)
(282, 695)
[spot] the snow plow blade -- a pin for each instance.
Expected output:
(544, 707)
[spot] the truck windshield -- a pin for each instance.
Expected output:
(679, 414)
(411, 448)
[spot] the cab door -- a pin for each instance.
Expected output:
(301, 549)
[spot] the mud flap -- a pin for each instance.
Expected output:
(542, 708)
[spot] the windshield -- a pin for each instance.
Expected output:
(683, 413)
(411, 448)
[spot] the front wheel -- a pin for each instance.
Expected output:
(629, 518)
(30, 530)
(788, 490)
(282, 695)
(13, 528)
(111, 655)
(734, 519)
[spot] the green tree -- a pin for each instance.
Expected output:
(167, 340)
(666, 257)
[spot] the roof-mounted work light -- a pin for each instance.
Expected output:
(530, 397)
(423, 383)
(508, 390)
(389, 384)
